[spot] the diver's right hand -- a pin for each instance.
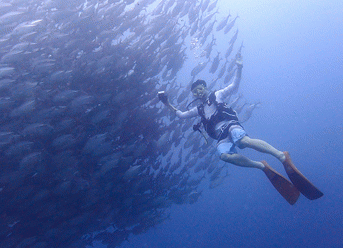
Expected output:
(239, 60)
(163, 97)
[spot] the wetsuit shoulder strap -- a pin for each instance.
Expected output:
(201, 110)
(212, 98)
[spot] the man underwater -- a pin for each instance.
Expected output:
(221, 123)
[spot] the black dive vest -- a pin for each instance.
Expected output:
(223, 113)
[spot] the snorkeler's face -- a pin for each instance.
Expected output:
(199, 91)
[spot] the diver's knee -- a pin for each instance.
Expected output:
(243, 142)
(226, 157)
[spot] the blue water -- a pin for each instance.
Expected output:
(293, 64)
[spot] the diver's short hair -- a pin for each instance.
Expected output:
(198, 82)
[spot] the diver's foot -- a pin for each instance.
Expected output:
(261, 166)
(282, 157)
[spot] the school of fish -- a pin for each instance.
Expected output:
(88, 153)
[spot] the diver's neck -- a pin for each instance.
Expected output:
(206, 95)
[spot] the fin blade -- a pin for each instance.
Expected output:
(281, 184)
(300, 181)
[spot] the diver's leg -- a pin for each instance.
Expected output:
(282, 185)
(261, 146)
(240, 160)
(228, 152)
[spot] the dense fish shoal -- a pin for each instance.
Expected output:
(87, 151)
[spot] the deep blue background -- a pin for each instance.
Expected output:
(293, 64)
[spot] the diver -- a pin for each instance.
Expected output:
(221, 123)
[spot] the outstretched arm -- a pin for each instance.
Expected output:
(233, 87)
(187, 114)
